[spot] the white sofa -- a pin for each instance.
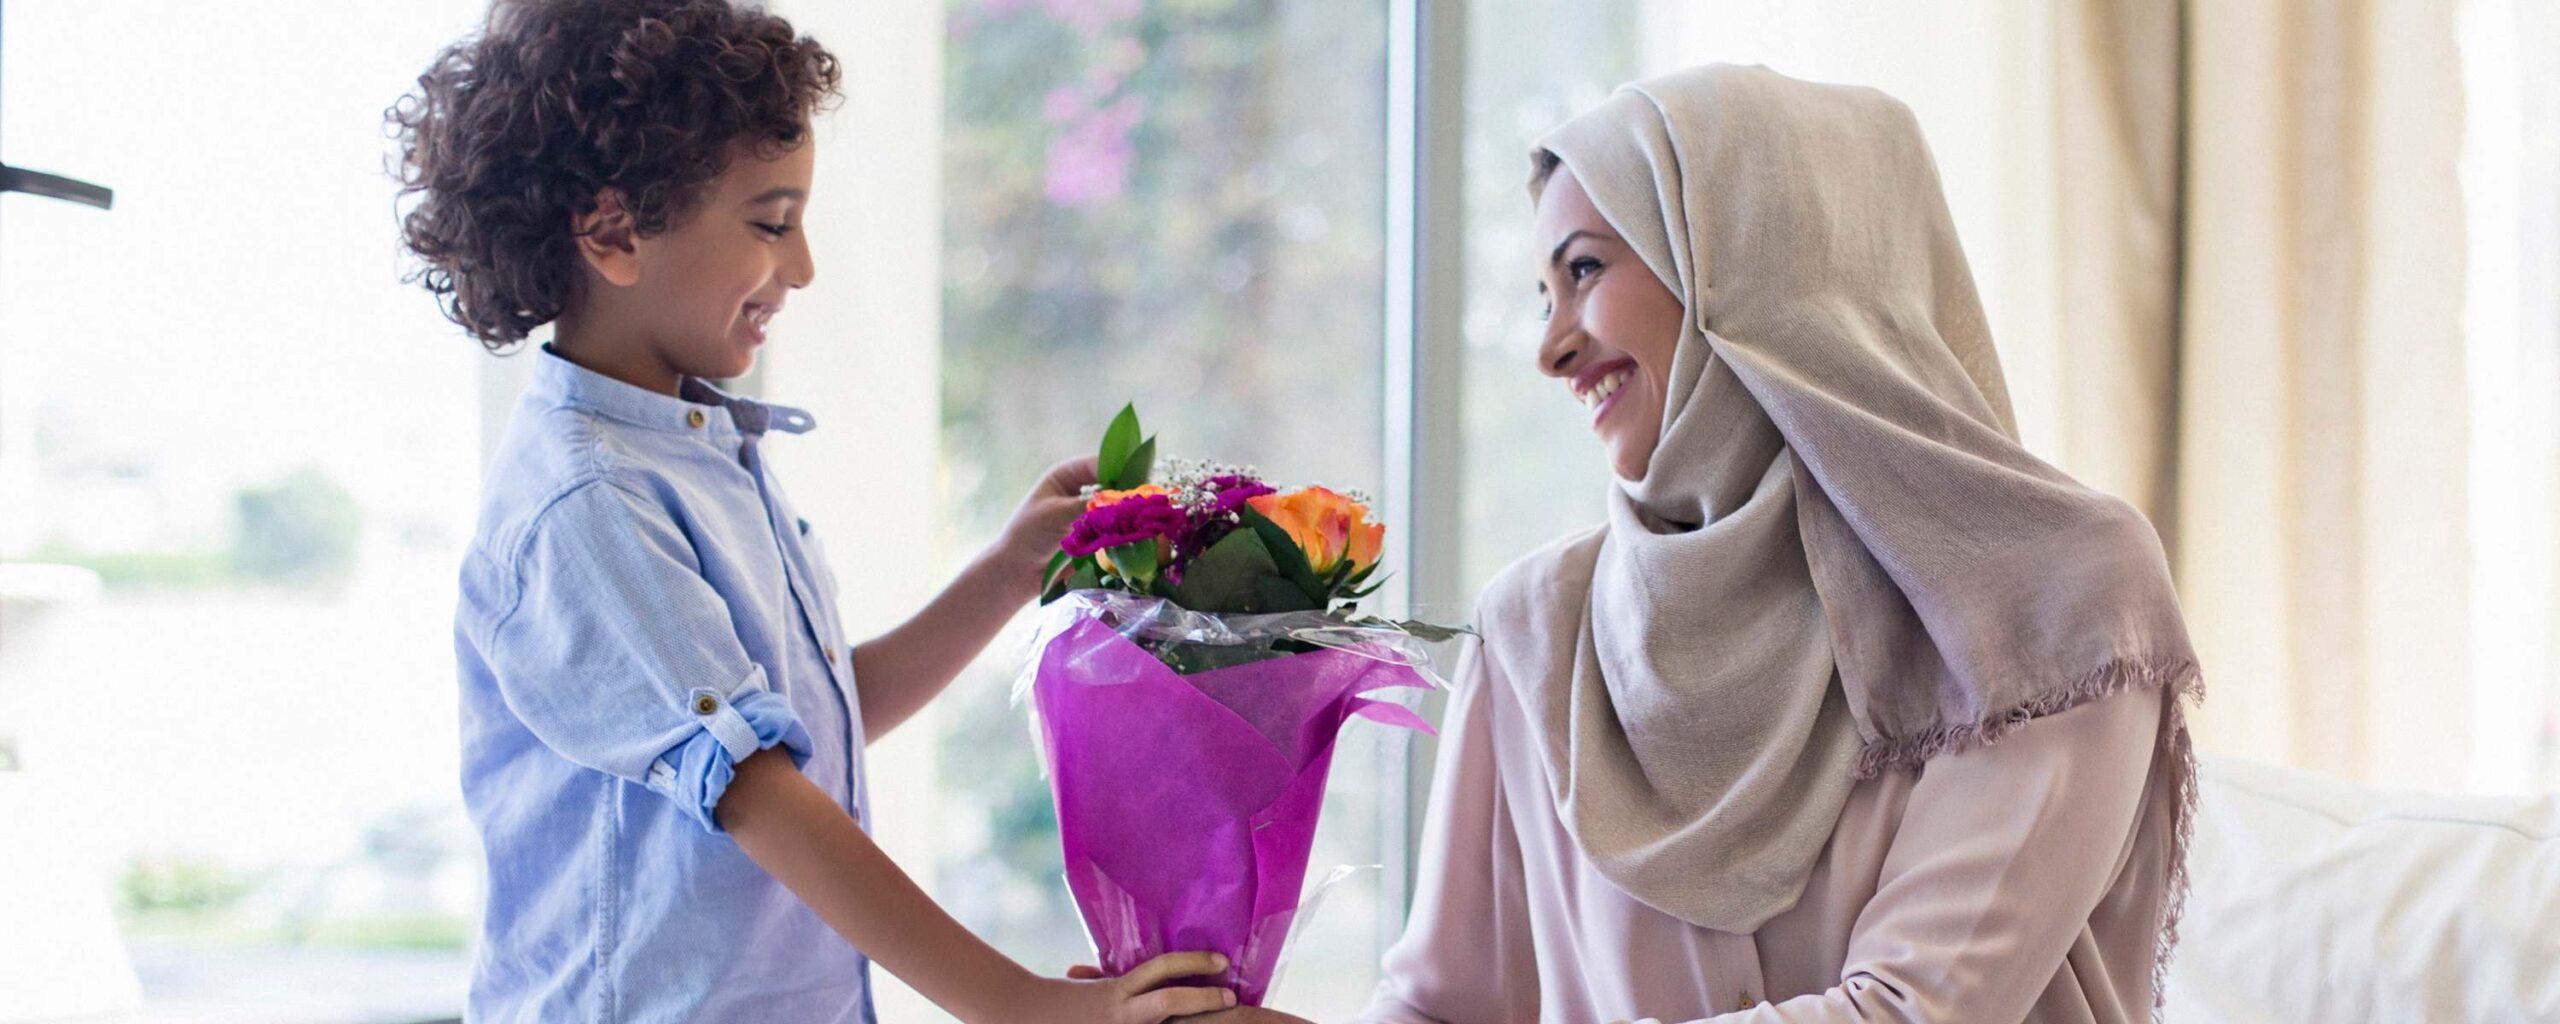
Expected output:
(2317, 900)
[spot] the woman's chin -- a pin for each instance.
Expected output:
(1626, 461)
(1629, 455)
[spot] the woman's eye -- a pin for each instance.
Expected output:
(774, 230)
(1582, 268)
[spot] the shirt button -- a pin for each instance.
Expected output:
(693, 417)
(831, 655)
(1745, 1003)
(705, 704)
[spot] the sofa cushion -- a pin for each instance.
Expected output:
(2316, 899)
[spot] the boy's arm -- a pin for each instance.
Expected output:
(903, 669)
(805, 841)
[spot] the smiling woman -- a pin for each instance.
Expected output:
(1611, 324)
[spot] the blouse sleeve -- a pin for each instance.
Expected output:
(1466, 953)
(2002, 854)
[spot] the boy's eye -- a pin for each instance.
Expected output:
(774, 230)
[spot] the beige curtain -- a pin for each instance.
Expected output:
(2260, 235)
(2224, 249)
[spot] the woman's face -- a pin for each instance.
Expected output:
(1611, 325)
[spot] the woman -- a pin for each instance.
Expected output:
(1731, 755)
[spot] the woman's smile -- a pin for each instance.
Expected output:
(1598, 388)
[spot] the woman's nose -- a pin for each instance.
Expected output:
(1561, 348)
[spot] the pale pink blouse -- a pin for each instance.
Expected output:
(2018, 881)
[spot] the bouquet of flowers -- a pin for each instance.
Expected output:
(1201, 649)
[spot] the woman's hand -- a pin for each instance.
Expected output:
(1086, 997)
(1032, 535)
(1246, 1015)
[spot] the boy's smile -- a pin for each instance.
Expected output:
(698, 298)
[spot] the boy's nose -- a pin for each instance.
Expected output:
(802, 268)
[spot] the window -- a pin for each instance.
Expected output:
(1181, 205)
(226, 674)
(2511, 194)
(1525, 434)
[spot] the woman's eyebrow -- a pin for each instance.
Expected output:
(1557, 256)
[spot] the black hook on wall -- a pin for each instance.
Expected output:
(55, 186)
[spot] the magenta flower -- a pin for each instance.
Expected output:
(1213, 519)
(1233, 490)
(1129, 520)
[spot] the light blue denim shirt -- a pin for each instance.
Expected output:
(641, 609)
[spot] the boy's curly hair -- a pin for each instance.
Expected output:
(512, 132)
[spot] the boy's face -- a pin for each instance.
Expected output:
(697, 296)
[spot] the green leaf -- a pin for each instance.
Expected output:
(1226, 579)
(1118, 443)
(1339, 580)
(1056, 562)
(1275, 594)
(1081, 574)
(1429, 633)
(1359, 592)
(1136, 563)
(1287, 555)
(1424, 631)
(1140, 468)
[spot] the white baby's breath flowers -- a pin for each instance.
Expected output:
(1186, 481)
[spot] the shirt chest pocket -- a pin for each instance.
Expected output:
(815, 551)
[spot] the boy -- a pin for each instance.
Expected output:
(662, 726)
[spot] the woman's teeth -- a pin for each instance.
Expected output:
(1600, 392)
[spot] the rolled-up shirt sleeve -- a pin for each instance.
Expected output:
(619, 656)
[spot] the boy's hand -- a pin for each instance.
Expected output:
(1086, 997)
(1231, 1015)
(1032, 535)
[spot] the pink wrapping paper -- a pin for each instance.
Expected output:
(1187, 803)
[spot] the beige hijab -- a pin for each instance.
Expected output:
(1840, 560)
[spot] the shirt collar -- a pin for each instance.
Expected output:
(704, 410)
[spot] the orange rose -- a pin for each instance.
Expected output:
(1101, 498)
(1328, 526)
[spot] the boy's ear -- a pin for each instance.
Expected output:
(608, 241)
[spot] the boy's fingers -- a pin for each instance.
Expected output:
(1182, 1002)
(1173, 965)
(1084, 972)
(1075, 473)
